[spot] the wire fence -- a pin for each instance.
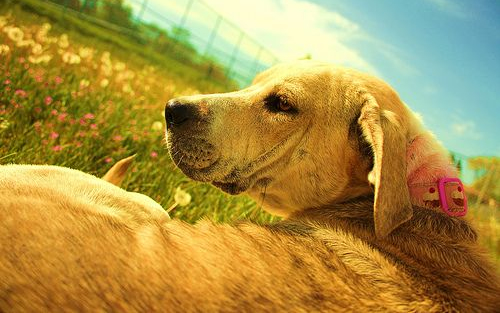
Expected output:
(190, 27)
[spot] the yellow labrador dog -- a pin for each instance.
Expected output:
(375, 217)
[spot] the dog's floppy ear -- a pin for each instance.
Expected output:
(117, 172)
(382, 130)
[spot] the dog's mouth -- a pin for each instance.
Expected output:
(195, 157)
(199, 160)
(231, 188)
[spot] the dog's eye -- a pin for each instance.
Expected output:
(283, 105)
(275, 103)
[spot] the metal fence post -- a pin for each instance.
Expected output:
(141, 11)
(212, 35)
(175, 37)
(256, 62)
(184, 16)
(234, 53)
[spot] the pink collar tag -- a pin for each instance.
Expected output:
(447, 194)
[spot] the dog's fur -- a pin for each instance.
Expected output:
(332, 150)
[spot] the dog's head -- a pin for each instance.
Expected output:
(302, 135)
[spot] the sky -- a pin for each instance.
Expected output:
(441, 56)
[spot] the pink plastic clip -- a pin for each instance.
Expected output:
(460, 191)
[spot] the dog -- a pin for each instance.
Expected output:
(374, 216)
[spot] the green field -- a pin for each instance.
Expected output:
(85, 99)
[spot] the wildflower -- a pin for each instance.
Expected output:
(157, 125)
(127, 89)
(37, 125)
(38, 110)
(4, 124)
(25, 43)
(41, 35)
(21, 93)
(117, 138)
(154, 154)
(57, 148)
(45, 58)
(83, 122)
(78, 144)
(89, 116)
(104, 83)
(37, 49)
(47, 100)
(14, 33)
(105, 58)
(71, 58)
(108, 160)
(84, 83)
(85, 53)
(58, 80)
(4, 49)
(63, 41)
(119, 66)
(62, 117)
(93, 126)
(53, 135)
(7, 82)
(3, 21)
(53, 112)
(181, 198)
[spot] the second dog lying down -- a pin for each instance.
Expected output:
(71, 241)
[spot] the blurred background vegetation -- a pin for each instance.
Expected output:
(83, 84)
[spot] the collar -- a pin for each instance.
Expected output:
(447, 194)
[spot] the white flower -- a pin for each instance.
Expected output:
(104, 83)
(37, 49)
(86, 52)
(3, 21)
(181, 197)
(14, 33)
(157, 125)
(119, 66)
(41, 34)
(84, 83)
(25, 43)
(46, 26)
(106, 58)
(63, 41)
(4, 49)
(45, 58)
(4, 124)
(71, 58)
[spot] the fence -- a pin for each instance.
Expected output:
(188, 24)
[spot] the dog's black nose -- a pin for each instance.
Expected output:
(177, 113)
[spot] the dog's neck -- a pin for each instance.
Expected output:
(432, 180)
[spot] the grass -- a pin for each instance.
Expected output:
(70, 99)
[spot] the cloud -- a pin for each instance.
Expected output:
(465, 128)
(450, 7)
(294, 28)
